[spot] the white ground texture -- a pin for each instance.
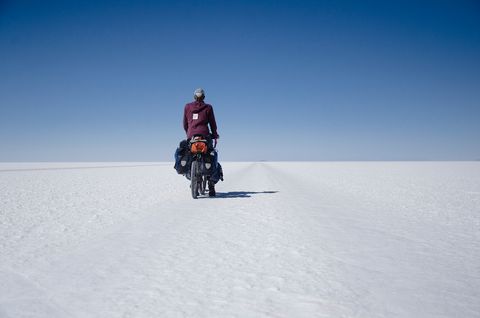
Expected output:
(296, 239)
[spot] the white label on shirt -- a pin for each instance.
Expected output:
(195, 116)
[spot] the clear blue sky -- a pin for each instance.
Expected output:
(289, 80)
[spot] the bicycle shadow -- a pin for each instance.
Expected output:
(241, 194)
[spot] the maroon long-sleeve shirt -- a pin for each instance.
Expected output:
(197, 116)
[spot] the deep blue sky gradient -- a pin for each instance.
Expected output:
(289, 80)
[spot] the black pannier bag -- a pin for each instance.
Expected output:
(209, 164)
(182, 158)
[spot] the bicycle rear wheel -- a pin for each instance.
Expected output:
(203, 185)
(194, 179)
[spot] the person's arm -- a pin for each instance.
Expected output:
(213, 123)
(185, 121)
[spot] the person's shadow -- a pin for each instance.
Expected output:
(241, 194)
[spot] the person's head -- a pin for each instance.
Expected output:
(199, 94)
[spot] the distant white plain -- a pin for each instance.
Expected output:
(289, 239)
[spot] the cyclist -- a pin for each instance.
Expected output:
(199, 119)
